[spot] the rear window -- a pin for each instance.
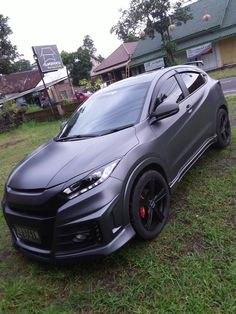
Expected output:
(193, 81)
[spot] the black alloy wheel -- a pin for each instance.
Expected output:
(150, 205)
(223, 130)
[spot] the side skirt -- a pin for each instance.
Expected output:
(192, 160)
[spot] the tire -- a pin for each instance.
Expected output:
(223, 130)
(150, 205)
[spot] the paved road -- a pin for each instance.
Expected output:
(229, 85)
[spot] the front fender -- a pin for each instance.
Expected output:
(132, 177)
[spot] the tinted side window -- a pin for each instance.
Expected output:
(169, 91)
(192, 80)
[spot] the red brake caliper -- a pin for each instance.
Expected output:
(142, 210)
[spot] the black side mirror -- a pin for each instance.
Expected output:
(164, 110)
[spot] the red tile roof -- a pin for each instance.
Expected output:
(120, 55)
(19, 82)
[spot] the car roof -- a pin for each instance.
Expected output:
(133, 80)
(150, 76)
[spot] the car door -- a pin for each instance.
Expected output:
(197, 105)
(175, 133)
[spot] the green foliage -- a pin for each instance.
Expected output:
(67, 102)
(82, 66)
(87, 84)
(100, 58)
(32, 108)
(154, 17)
(22, 65)
(91, 85)
(68, 59)
(88, 44)
(8, 52)
(78, 64)
(131, 38)
(10, 106)
(11, 115)
(169, 47)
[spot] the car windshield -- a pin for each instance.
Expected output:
(109, 109)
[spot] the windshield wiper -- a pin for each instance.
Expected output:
(75, 137)
(116, 129)
(84, 136)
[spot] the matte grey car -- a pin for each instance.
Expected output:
(108, 174)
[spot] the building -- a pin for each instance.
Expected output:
(116, 66)
(212, 40)
(95, 63)
(27, 87)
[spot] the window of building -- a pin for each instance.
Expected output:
(63, 94)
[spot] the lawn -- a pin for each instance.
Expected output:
(224, 73)
(189, 268)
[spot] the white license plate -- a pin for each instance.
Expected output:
(28, 234)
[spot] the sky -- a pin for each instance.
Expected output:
(63, 23)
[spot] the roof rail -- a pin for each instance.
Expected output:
(197, 63)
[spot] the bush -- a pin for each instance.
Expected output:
(11, 115)
(67, 102)
(32, 108)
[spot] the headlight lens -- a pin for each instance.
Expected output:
(93, 179)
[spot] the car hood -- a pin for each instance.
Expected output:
(54, 162)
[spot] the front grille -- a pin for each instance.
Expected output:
(46, 210)
(88, 235)
(39, 202)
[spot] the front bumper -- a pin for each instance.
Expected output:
(89, 226)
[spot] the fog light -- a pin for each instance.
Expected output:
(80, 237)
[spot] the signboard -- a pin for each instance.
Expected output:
(200, 50)
(154, 64)
(48, 57)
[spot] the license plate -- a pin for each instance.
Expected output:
(28, 234)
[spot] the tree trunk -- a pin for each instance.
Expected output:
(169, 51)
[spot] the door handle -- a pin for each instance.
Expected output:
(189, 108)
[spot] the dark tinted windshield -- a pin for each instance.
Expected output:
(107, 110)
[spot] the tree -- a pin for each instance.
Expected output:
(68, 59)
(131, 38)
(91, 85)
(100, 58)
(8, 52)
(78, 64)
(82, 66)
(22, 65)
(88, 44)
(152, 16)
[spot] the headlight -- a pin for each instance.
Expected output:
(93, 179)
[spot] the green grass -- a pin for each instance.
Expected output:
(189, 268)
(232, 102)
(224, 73)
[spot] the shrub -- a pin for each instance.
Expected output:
(11, 115)
(67, 102)
(32, 108)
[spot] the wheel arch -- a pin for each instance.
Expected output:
(149, 164)
(224, 107)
